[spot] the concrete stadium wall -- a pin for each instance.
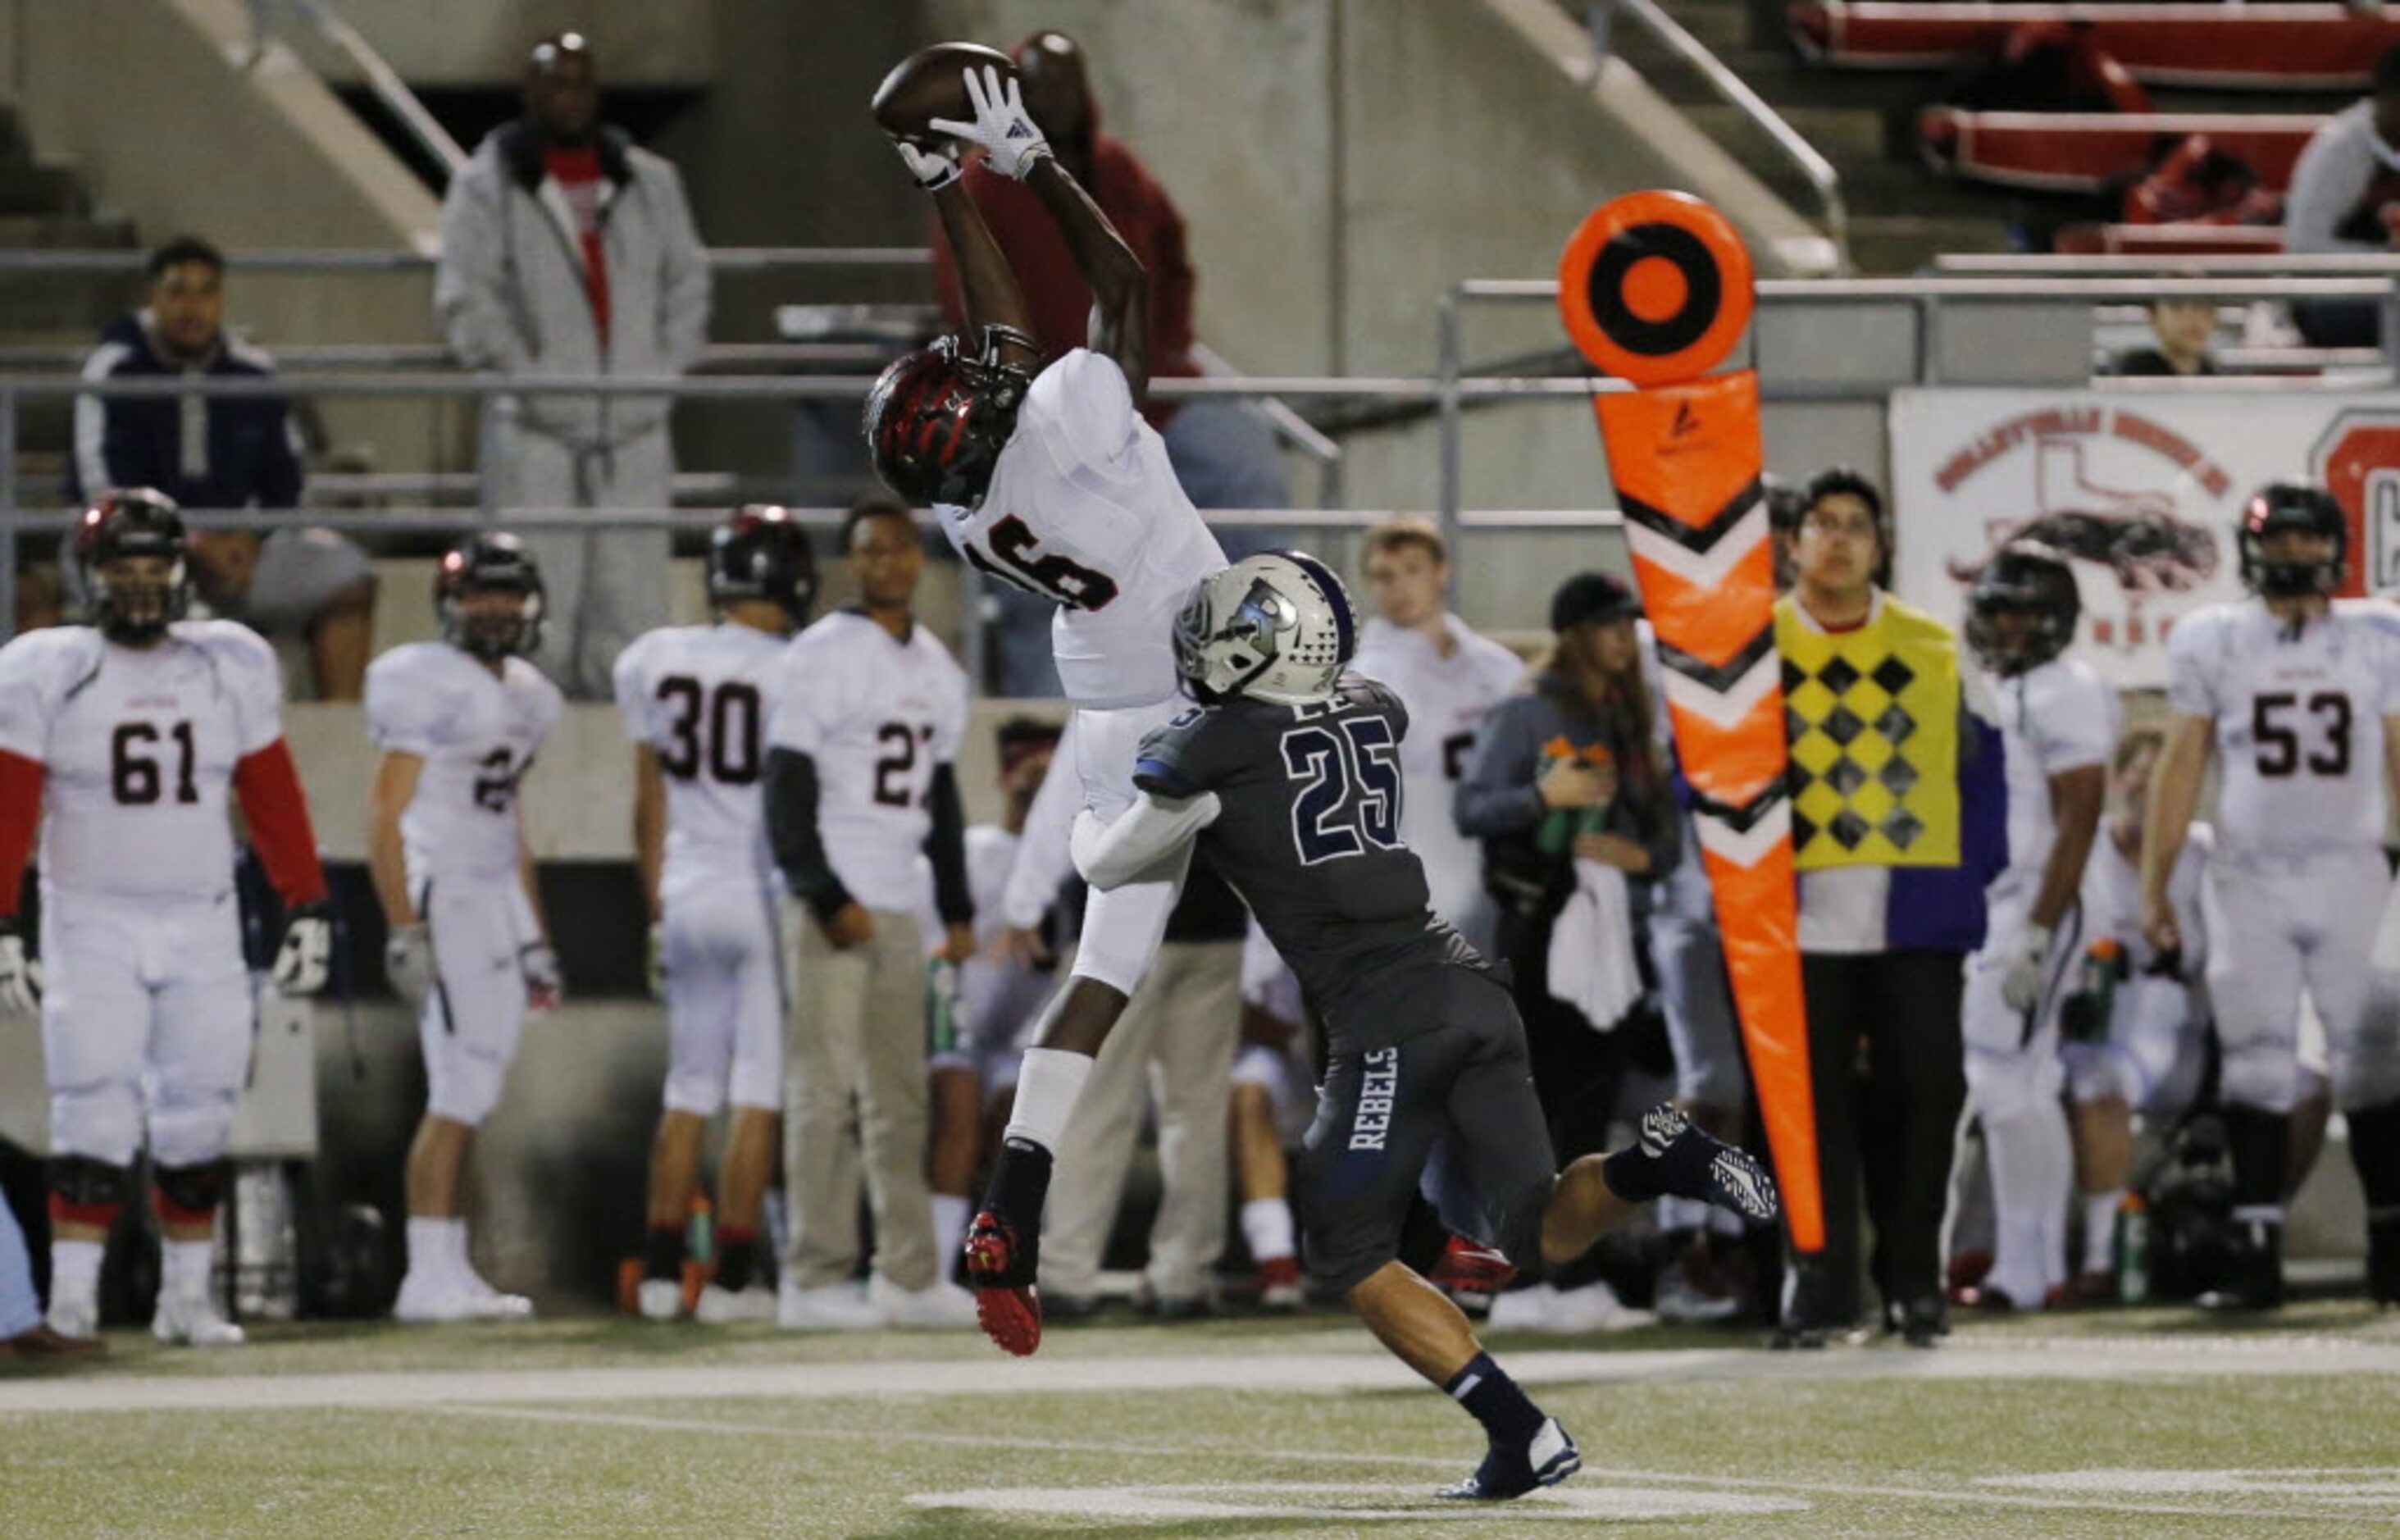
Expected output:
(479, 43)
(155, 101)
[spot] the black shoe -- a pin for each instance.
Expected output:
(2253, 1276)
(1921, 1322)
(2383, 1261)
(1789, 1335)
(1544, 1461)
(1689, 1163)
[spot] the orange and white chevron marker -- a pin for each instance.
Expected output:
(1655, 288)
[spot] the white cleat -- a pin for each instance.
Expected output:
(732, 1307)
(429, 1298)
(493, 1305)
(73, 1315)
(938, 1305)
(1594, 1307)
(834, 1307)
(659, 1298)
(192, 1320)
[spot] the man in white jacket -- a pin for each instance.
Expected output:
(568, 250)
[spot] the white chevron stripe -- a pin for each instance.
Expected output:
(1745, 849)
(1701, 569)
(1723, 709)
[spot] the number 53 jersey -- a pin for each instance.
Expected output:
(139, 746)
(2299, 721)
(477, 733)
(1084, 509)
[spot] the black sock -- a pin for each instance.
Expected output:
(1493, 1398)
(2261, 1143)
(663, 1252)
(2374, 1151)
(737, 1259)
(1020, 1180)
(1633, 1175)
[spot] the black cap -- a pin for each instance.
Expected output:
(1591, 598)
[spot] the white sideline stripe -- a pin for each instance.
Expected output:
(1323, 1372)
(1253, 1451)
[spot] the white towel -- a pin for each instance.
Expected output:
(1591, 961)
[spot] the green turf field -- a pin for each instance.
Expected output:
(2151, 1425)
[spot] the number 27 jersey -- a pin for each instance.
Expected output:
(1083, 507)
(2299, 721)
(477, 733)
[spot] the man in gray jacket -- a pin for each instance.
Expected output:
(566, 251)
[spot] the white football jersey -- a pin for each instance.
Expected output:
(477, 733)
(2055, 719)
(139, 747)
(2299, 721)
(1445, 699)
(1084, 509)
(2111, 896)
(697, 694)
(877, 715)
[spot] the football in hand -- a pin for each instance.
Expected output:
(931, 83)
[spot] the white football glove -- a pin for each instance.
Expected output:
(2021, 986)
(935, 168)
(1001, 125)
(654, 961)
(544, 988)
(306, 953)
(21, 976)
(408, 962)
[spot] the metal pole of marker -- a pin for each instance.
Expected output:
(8, 536)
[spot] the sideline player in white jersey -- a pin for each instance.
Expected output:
(120, 741)
(694, 700)
(2299, 693)
(2058, 727)
(1448, 675)
(1053, 484)
(864, 712)
(459, 721)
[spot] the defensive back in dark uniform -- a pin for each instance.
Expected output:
(1422, 1041)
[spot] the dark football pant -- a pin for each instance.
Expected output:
(1381, 1112)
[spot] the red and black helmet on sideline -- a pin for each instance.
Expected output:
(489, 563)
(2032, 581)
(2303, 506)
(937, 419)
(760, 551)
(134, 521)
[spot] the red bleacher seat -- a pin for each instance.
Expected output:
(2168, 240)
(2077, 152)
(2279, 48)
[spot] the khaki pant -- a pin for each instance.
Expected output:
(854, 1085)
(1178, 1037)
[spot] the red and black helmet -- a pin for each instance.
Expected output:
(493, 563)
(2302, 506)
(133, 522)
(936, 420)
(762, 553)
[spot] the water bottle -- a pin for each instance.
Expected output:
(2085, 1017)
(941, 1006)
(700, 1232)
(2133, 1251)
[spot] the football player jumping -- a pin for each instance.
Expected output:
(459, 722)
(120, 741)
(1287, 776)
(1053, 482)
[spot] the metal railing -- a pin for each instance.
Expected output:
(1670, 33)
(421, 126)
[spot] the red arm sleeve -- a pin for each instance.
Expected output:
(1170, 292)
(21, 818)
(272, 804)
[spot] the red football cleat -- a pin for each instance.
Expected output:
(1467, 1268)
(1000, 1271)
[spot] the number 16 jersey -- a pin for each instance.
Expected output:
(2299, 721)
(477, 733)
(1084, 509)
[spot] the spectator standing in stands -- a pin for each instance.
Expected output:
(2345, 197)
(2183, 329)
(1222, 451)
(222, 452)
(568, 250)
(1898, 824)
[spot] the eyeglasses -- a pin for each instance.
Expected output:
(1831, 524)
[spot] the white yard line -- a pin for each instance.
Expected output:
(2065, 1358)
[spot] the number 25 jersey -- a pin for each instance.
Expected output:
(1084, 509)
(139, 747)
(697, 695)
(2299, 721)
(477, 733)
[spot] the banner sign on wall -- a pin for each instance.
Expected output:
(2138, 489)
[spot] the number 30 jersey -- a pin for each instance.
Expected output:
(1084, 509)
(2299, 721)
(139, 747)
(477, 733)
(697, 695)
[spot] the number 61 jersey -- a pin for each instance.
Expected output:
(477, 733)
(1084, 509)
(2299, 721)
(139, 747)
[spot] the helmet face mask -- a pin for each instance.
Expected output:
(488, 595)
(2023, 610)
(130, 548)
(937, 419)
(1275, 627)
(2275, 513)
(762, 553)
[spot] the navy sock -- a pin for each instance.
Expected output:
(663, 1252)
(1493, 1398)
(737, 1258)
(1633, 1175)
